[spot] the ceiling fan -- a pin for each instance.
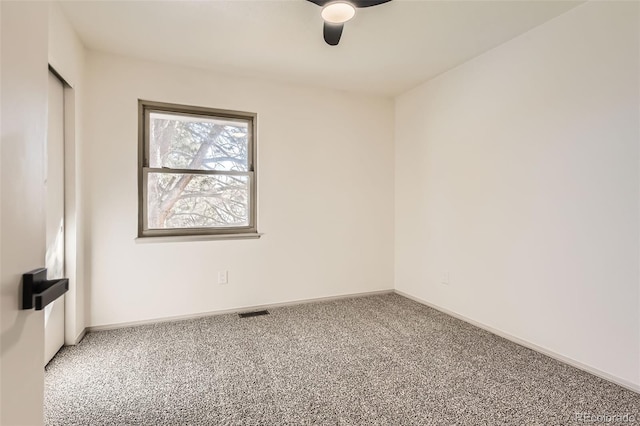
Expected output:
(336, 13)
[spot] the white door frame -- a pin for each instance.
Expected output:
(74, 297)
(54, 313)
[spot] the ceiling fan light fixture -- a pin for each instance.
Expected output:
(338, 12)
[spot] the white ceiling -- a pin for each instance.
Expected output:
(385, 49)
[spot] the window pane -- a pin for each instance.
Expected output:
(197, 201)
(198, 143)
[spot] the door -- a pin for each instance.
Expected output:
(54, 189)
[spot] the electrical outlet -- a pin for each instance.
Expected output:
(445, 278)
(223, 277)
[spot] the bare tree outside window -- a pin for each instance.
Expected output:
(197, 171)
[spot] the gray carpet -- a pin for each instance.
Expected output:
(374, 360)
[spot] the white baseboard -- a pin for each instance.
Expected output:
(232, 311)
(572, 362)
(80, 337)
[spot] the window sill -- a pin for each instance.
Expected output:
(185, 238)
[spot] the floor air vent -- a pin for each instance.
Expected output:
(253, 314)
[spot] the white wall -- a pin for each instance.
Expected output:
(325, 184)
(66, 56)
(517, 172)
(23, 85)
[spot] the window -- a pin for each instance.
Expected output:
(196, 171)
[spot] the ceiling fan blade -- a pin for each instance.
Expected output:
(366, 3)
(356, 3)
(332, 33)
